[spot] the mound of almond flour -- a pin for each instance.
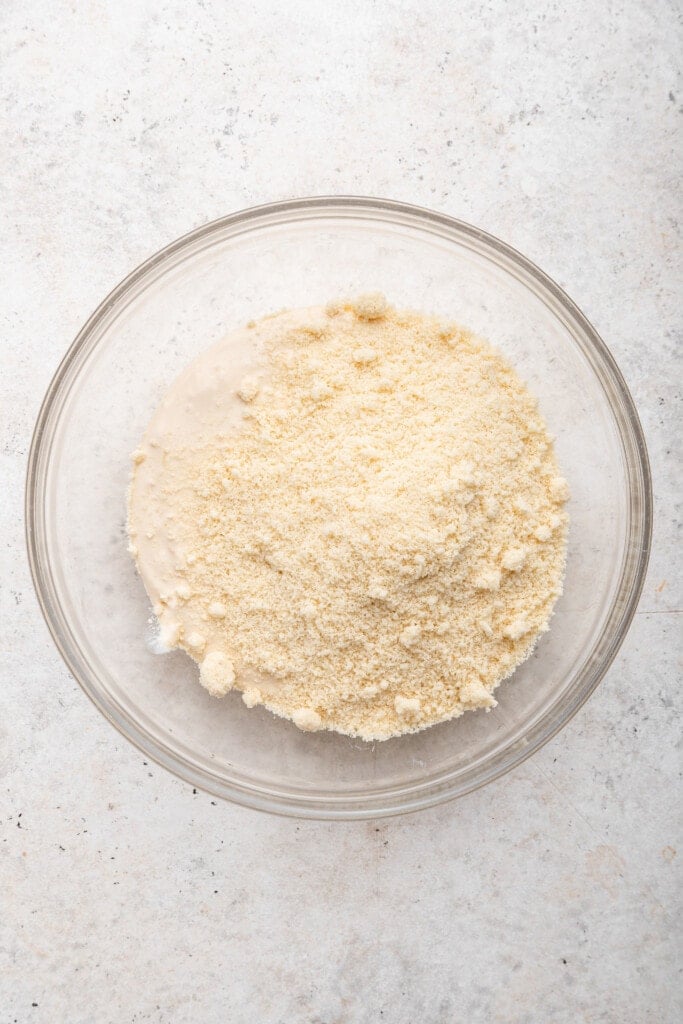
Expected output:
(375, 543)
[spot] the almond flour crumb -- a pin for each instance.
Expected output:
(216, 673)
(367, 535)
(249, 389)
(252, 697)
(217, 610)
(372, 306)
(195, 641)
(307, 719)
(407, 706)
(410, 635)
(514, 559)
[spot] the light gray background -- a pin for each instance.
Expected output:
(551, 895)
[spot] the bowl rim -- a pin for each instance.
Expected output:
(397, 799)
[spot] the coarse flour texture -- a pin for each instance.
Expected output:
(364, 532)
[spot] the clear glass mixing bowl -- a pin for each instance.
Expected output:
(184, 299)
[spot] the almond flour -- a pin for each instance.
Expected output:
(360, 525)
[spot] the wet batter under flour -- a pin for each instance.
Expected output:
(353, 515)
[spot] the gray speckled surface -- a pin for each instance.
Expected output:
(549, 896)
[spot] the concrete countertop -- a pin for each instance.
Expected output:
(550, 896)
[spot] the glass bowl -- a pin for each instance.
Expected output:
(184, 299)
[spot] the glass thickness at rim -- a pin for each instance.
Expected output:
(433, 789)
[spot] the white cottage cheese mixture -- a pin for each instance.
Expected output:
(353, 515)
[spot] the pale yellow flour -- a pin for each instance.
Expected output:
(376, 543)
